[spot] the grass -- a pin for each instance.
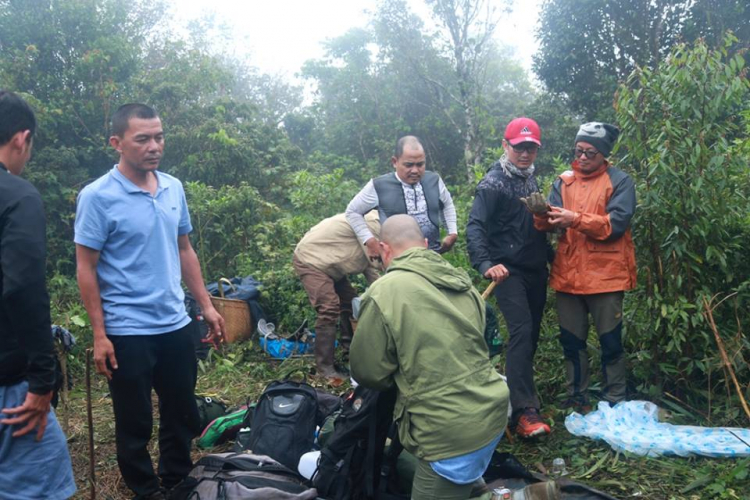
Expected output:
(242, 371)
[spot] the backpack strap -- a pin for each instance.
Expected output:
(324, 483)
(389, 459)
(285, 377)
(372, 424)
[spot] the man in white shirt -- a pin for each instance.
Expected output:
(410, 190)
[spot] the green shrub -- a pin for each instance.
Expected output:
(681, 130)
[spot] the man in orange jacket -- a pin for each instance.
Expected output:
(595, 260)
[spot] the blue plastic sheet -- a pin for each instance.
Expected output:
(633, 426)
(281, 348)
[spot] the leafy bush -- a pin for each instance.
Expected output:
(229, 222)
(681, 125)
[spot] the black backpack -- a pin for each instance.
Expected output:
(492, 331)
(284, 421)
(209, 409)
(353, 464)
(241, 476)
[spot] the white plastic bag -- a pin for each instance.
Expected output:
(633, 426)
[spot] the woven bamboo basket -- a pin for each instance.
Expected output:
(238, 324)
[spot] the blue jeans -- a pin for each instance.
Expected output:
(31, 469)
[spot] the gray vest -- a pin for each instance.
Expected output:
(391, 201)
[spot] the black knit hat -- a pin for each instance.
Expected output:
(600, 135)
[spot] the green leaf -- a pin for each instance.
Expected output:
(78, 321)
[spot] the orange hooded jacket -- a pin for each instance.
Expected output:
(596, 253)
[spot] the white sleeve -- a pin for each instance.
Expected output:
(449, 210)
(363, 202)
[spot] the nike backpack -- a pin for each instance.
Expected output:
(284, 422)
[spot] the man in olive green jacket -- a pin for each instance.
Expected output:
(421, 327)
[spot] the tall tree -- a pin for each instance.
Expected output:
(74, 60)
(711, 19)
(77, 60)
(470, 25)
(355, 103)
(587, 47)
(460, 63)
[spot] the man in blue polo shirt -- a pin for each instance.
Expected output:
(132, 248)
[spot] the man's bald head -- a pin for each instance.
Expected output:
(398, 234)
(407, 142)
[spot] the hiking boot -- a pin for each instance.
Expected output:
(611, 402)
(530, 424)
(577, 404)
(324, 348)
(331, 376)
(347, 331)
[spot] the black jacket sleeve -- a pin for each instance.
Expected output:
(25, 300)
(477, 237)
(621, 205)
(555, 195)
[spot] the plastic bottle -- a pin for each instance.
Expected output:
(497, 343)
(547, 490)
(502, 494)
(558, 467)
(266, 329)
(308, 464)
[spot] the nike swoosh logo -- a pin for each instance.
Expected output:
(284, 406)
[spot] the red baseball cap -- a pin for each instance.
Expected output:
(523, 130)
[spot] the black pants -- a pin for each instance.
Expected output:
(521, 298)
(166, 363)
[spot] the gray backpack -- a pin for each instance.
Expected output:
(242, 476)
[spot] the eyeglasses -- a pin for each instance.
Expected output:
(590, 153)
(528, 147)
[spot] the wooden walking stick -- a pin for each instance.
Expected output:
(485, 296)
(90, 418)
(489, 289)
(709, 307)
(62, 357)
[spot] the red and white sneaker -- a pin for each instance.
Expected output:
(530, 424)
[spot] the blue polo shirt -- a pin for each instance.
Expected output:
(139, 263)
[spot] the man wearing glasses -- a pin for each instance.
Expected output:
(410, 190)
(595, 262)
(505, 247)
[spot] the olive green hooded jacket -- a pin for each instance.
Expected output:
(421, 326)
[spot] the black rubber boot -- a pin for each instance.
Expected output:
(324, 346)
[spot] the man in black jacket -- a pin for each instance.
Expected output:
(34, 459)
(504, 247)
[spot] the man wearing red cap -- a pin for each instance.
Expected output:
(505, 247)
